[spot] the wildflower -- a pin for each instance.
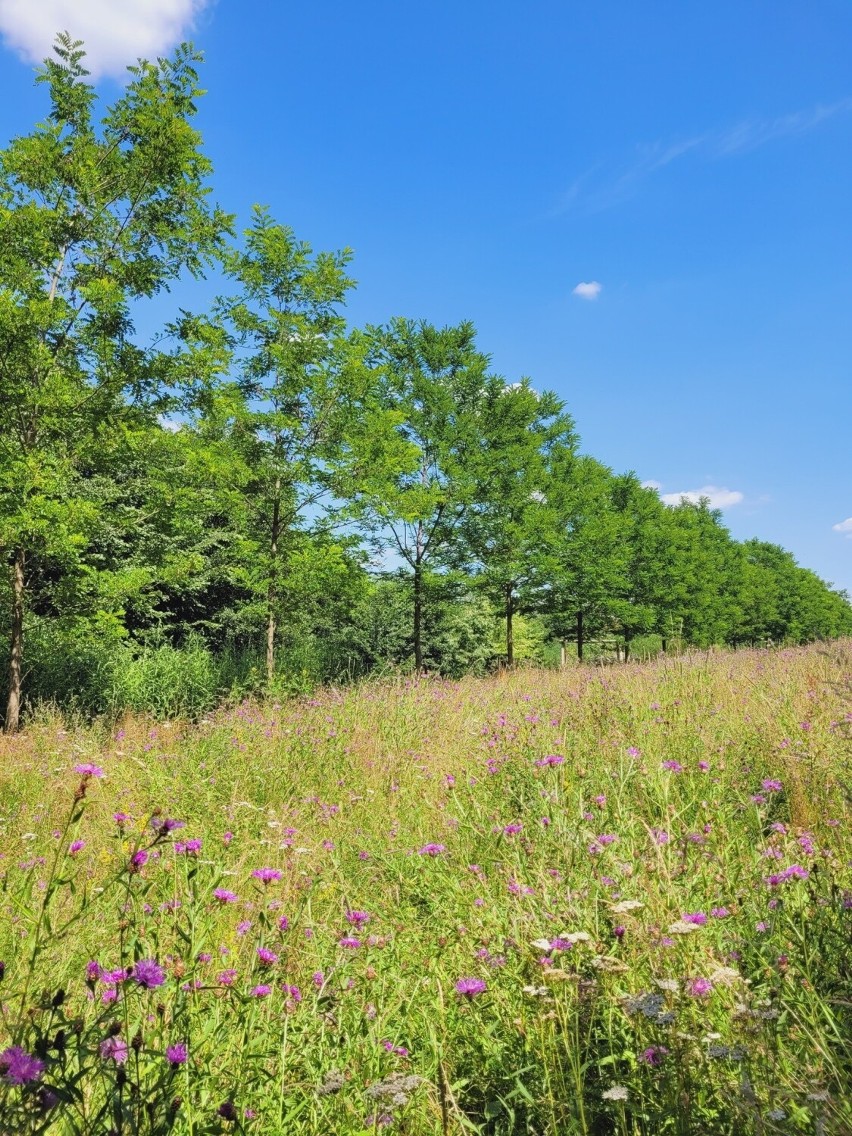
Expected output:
(19, 1067)
(550, 759)
(283, 923)
(771, 785)
(512, 829)
(660, 836)
(93, 971)
(600, 800)
(139, 859)
(470, 987)
(224, 895)
(431, 849)
(653, 1055)
(292, 992)
(120, 818)
(227, 1111)
(318, 978)
(696, 917)
(625, 906)
(333, 1083)
(260, 991)
(176, 1054)
(719, 912)
(227, 837)
(266, 957)
(348, 942)
(148, 973)
(169, 824)
(243, 927)
(607, 838)
(682, 927)
(673, 766)
(87, 769)
(190, 846)
(632, 751)
(619, 932)
(113, 1049)
(226, 977)
(357, 918)
(615, 1093)
(704, 766)
(266, 875)
(699, 987)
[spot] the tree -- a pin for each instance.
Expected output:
(508, 532)
(94, 218)
(300, 409)
(437, 385)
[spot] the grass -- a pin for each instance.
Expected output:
(593, 901)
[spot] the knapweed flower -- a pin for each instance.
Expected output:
(226, 977)
(120, 818)
(349, 943)
(357, 918)
(139, 859)
(696, 917)
(292, 992)
(113, 1049)
(266, 957)
(19, 1067)
(653, 1055)
(550, 759)
(93, 971)
(600, 801)
(771, 785)
(470, 987)
(432, 849)
(168, 824)
(87, 769)
(148, 973)
(261, 991)
(267, 875)
(719, 912)
(176, 1054)
(76, 846)
(512, 829)
(672, 766)
(188, 846)
(607, 838)
(699, 987)
(224, 895)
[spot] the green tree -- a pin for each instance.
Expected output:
(94, 217)
(437, 385)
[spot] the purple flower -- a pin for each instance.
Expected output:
(167, 825)
(551, 759)
(266, 957)
(260, 991)
(243, 927)
(86, 769)
(720, 912)
(607, 838)
(139, 858)
(619, 931)
(113, 1049)
(93, 971)
(653, 1055)
(348, 942)
(267, 874)
(224, 895)
(148, 973)
(771, 785)
(357, 918)
(19, 1067)
(632, 751)
(512, 829)
(120, 818)
(176, 1054)
(699, 987)
(292, 992)
(600, 801)
(696, 917)
(470, 987)
(432, 849)
(673, 766)
(190, 846)
(226, 977)
(76, 846)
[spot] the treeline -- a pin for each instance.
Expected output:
(266, 495)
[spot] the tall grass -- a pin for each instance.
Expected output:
(582, 902)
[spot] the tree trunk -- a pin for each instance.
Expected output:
(580, 636)
(16, 647)
(665, 644)
(272, 592)
(510, 641)
(626, 648)
(418, 617)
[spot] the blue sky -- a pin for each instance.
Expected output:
(485, 159)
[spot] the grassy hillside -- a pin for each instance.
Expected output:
(598, 901)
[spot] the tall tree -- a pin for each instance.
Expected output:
(94, 217)
(301, 406)
(437, 384)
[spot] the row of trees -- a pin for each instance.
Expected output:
(263, 473)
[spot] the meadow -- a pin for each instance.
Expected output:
(597, 900)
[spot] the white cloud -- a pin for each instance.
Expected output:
(718, 497)
(589, 291)
(114, 32)
(844, 527)
(651, 484)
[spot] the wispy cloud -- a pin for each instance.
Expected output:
(717, 496)
(601, 187)
(844, 527)
(588, 291)
(114, 32)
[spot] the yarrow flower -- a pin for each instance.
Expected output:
(19, 1067)
(470, 987)
(615, 1093)
(148, 973)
